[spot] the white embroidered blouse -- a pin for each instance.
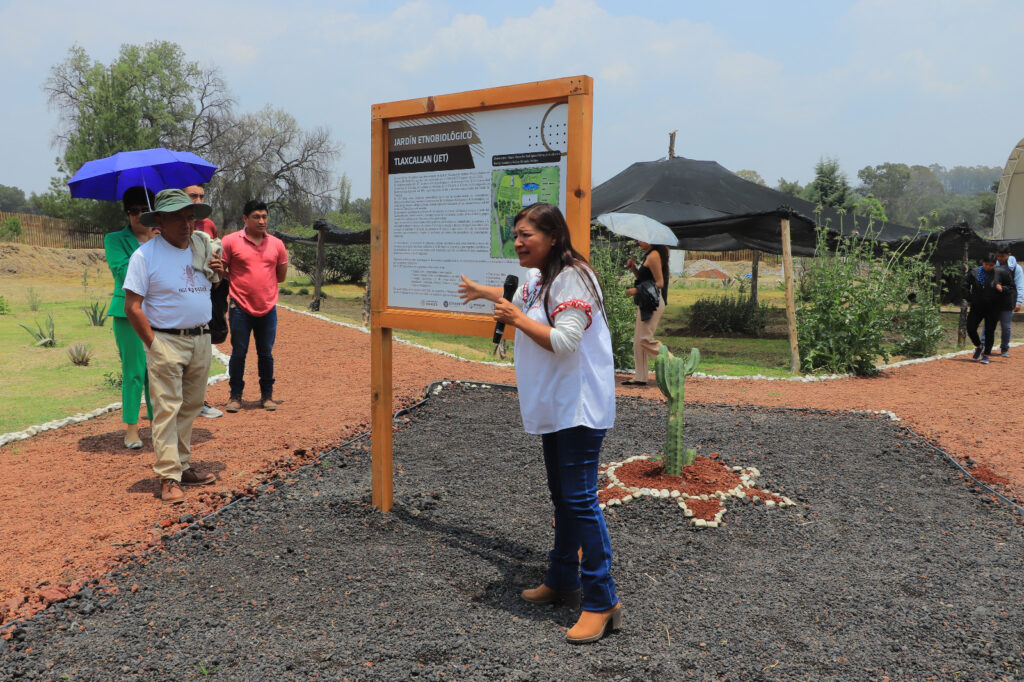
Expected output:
(572, 387)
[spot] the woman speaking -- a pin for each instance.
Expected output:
(566, 380)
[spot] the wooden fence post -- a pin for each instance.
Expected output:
(787, 264)
(755, 266)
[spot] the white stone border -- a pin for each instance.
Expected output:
(747, 478)
(809, 378)
(98, 412)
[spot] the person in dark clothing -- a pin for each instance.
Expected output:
(984, 287)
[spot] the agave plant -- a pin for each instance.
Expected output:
(44, 337)
(97, 313)
(671, 373)
(80, 354)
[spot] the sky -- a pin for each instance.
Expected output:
(765, 86)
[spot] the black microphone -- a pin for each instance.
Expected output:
(511, 282)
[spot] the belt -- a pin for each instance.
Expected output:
(194, 331)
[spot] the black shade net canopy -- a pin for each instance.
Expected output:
(709, 208)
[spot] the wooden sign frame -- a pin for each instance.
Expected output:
(577, 93)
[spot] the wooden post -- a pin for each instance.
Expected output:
(961, 326)
(672, 144)
(382, 438)
(755, 266)
(318, 274)
(787, 264)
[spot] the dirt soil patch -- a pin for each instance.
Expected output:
(18, 260)
(889, 567)
(75, 502)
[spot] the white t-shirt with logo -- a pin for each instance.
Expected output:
(174, 295)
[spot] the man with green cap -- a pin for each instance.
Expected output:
(167, 302)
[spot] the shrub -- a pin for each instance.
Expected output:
(609, 262)
(919, 331)
(728, 315)
(285, 292)
(80, 354)
(34, 300)
(342, 264)
(113, 379)
(5, 307)
(851, 299)
(97, 313)
(43, 337)
(303, 291)
(10, 229)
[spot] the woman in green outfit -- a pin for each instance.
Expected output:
(119, 247)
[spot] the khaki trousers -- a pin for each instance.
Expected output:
(178, 367)
(645, 347)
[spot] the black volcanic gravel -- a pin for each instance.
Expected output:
(890, 567)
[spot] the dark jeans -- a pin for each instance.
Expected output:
(570, 457)
(1006, 324)
(264, 331)
(976, 315)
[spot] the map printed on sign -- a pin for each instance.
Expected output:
(455, 184)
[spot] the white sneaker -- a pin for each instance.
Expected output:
(210, 412)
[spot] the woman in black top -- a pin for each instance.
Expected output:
(654, 268)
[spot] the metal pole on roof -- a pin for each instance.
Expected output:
(672, 144)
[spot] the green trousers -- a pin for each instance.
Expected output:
(133, 371)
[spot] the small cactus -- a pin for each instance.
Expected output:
(80, 354)
(671, 373)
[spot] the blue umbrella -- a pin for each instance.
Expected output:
(154, 169)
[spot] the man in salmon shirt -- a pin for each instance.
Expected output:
(256, 263)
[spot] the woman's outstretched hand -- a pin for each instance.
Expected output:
(469, 290)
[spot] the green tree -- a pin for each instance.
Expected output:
(12, 200)
(871, 207)
(153, 96)
(793, 189)
(752, 176)
(830, 186)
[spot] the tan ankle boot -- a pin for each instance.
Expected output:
(545, 595)
(593, 625)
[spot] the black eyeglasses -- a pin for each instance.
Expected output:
(135, 210)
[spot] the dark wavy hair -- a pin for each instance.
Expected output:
(549, 220)
(136, 196)
(663, 252)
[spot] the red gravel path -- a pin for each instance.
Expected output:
(74, 501)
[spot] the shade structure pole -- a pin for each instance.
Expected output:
(787, 265)
(961, 325)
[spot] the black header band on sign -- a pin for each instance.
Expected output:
(526, 159)
(429, 160)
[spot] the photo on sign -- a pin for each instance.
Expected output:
(513, 189)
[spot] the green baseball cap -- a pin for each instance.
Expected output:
(171, 201)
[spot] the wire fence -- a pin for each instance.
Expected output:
(40, 230)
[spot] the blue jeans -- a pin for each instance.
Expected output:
(571, 457)
(264, 331)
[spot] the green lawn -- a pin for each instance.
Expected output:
(37, 384)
